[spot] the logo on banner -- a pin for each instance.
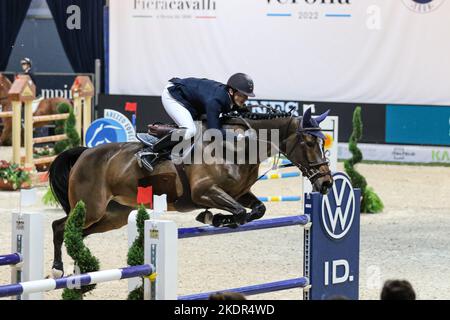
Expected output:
(338, 207)
(423, 6)
(104, 131)
(124, 122)
(310, 9)
(169, 9)
(283, 106)
(402, 154)
(114, 127)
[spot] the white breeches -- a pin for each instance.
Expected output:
(178, 113)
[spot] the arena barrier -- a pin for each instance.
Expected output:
(23, 91)
(331, 247)
(27, 261)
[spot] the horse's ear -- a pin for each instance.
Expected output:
(322, 117)
(306, 119)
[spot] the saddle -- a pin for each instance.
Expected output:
(157, 145)
(160, 130)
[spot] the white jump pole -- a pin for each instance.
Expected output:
(28, 240)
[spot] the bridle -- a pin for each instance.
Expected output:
(312, 172)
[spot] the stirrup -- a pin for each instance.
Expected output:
(147, 165)
(143, 162)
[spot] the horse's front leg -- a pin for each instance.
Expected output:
(216, 197)
(249, 200)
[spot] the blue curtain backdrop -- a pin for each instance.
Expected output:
(85, 45)
(12, 15)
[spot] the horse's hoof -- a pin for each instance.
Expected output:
(217, 220)
(57, 273)
(220, 220)
(205, 217)
(241, 218)
(255, 216)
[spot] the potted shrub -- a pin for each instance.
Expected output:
(13, 177)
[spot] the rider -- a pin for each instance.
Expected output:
(27, 64)
(187, 100)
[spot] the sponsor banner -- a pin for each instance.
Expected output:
(418, 125)
(317, 50)
(335, 217)
(398, 153)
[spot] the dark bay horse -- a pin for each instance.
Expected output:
(46, 107)
(106, 179)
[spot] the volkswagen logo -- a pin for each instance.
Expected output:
(338, 207)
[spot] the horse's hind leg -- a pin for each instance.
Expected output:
(58, 238)
(249, 200)
(116, 217)
(95, 210)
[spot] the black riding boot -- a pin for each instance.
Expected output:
(161, 149)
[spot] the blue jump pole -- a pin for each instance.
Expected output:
(10, 259)
(256, 289)
(255, 225)
(75, 281)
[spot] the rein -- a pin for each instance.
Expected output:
(312, 172)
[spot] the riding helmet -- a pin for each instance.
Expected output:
(242, 83)
(26, 61)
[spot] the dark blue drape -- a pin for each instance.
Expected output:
(12, 15)
(85, 45)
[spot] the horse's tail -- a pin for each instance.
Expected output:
(58, 175)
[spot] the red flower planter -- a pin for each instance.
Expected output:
(8, 186)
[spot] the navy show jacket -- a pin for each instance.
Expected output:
(202, 96)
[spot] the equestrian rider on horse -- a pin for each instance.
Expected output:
(187, 100)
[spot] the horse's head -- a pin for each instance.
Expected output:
(304, 146)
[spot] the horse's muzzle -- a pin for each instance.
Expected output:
(323, 184)
(326, 186)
